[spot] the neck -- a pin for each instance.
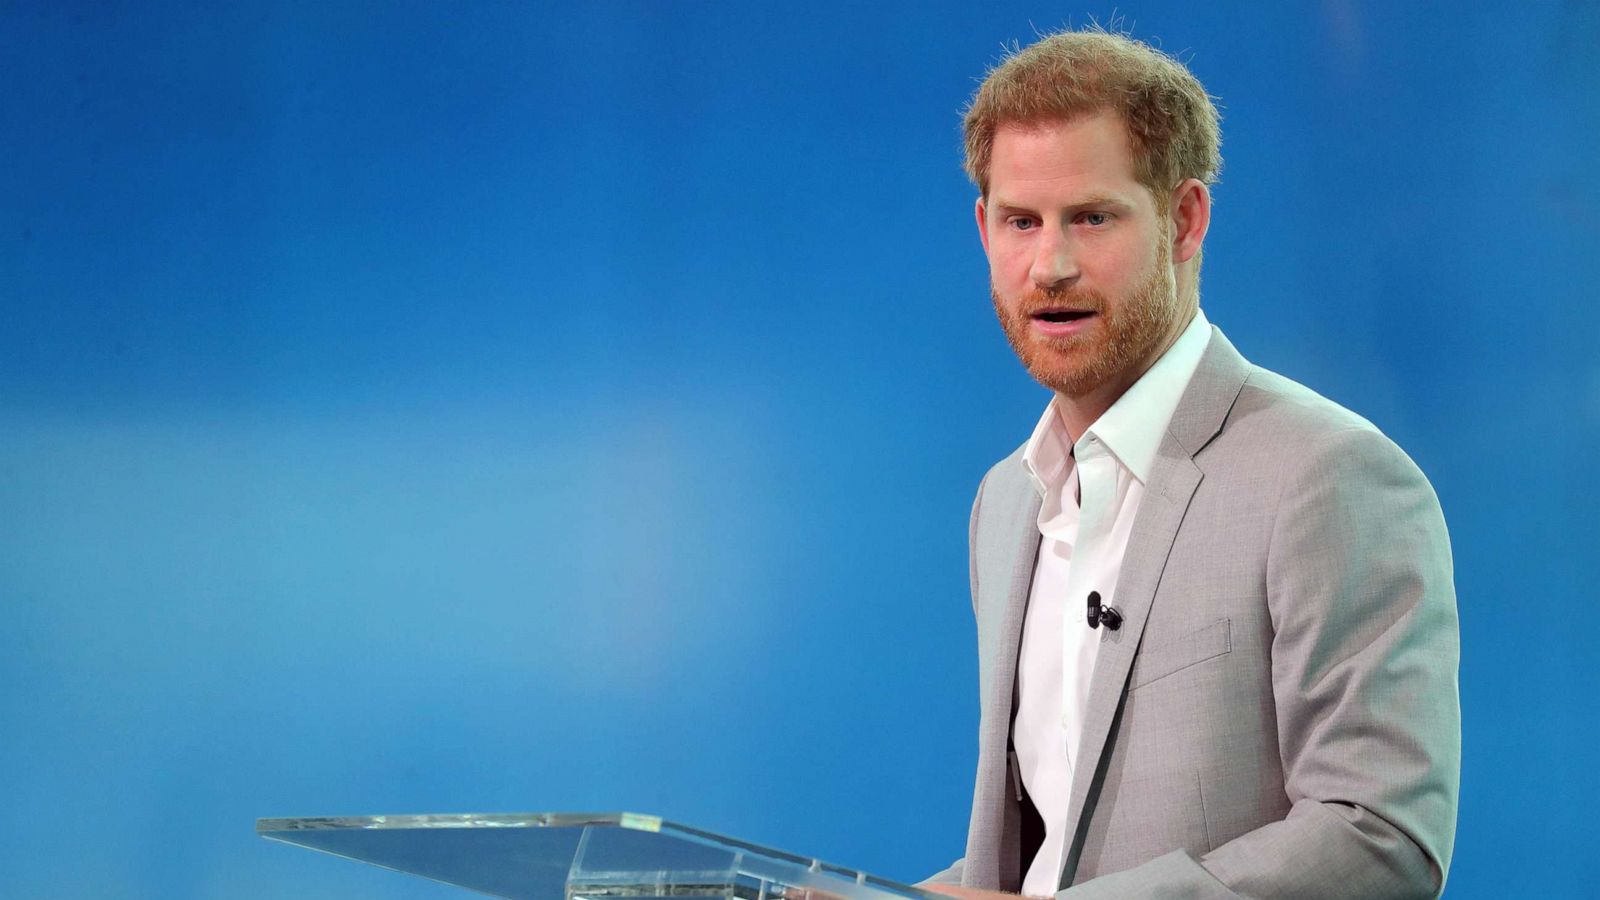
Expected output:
(1081, 411)
(1078, 413)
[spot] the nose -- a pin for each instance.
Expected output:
(1053, 260)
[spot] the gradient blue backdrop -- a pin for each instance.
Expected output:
(444, 407)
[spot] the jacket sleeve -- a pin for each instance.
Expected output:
(1364, 660)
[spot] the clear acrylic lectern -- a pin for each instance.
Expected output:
(580, 856)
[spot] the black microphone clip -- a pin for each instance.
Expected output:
(1106, 614)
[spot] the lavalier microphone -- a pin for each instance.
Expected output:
(1106, 614)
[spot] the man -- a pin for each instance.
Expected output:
(1217, 631)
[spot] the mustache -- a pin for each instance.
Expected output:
(1039, 299)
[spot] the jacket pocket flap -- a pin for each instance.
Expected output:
(1195, 647)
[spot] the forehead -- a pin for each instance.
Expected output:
(1091, 152)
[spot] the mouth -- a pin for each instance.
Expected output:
(1062, 315)
(1061, 322)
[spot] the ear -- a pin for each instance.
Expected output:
(1191, 216)
(980, 211)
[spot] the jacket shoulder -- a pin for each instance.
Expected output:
(1279, 426)
(1271, 401)
(1291, 418)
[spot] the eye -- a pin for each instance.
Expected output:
(1095, 219)
(1021, 223)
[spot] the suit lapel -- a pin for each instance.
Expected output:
(1005, 548)
(1155, 528)
(1174, 478)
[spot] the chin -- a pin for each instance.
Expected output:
(1070, 382)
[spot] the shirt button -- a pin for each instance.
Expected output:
(1066, 721)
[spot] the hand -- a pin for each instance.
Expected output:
(966, 893)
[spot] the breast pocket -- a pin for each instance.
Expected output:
(1159, 661)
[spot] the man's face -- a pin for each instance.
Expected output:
(1080, 266)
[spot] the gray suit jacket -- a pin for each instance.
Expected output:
(1278, 714)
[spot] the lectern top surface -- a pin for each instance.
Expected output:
(579, 856)
(466, 820)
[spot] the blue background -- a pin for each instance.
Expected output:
(444, 407)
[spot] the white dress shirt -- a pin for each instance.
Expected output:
(1090, 493)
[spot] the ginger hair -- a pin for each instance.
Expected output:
(1171, 121)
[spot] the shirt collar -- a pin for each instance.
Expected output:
(1045, 457)
(1133, 427)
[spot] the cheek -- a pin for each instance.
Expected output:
(1009, 264)
(1118, 263)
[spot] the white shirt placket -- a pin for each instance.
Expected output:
(1097, 479)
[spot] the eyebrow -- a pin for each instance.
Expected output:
(1086, 203)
